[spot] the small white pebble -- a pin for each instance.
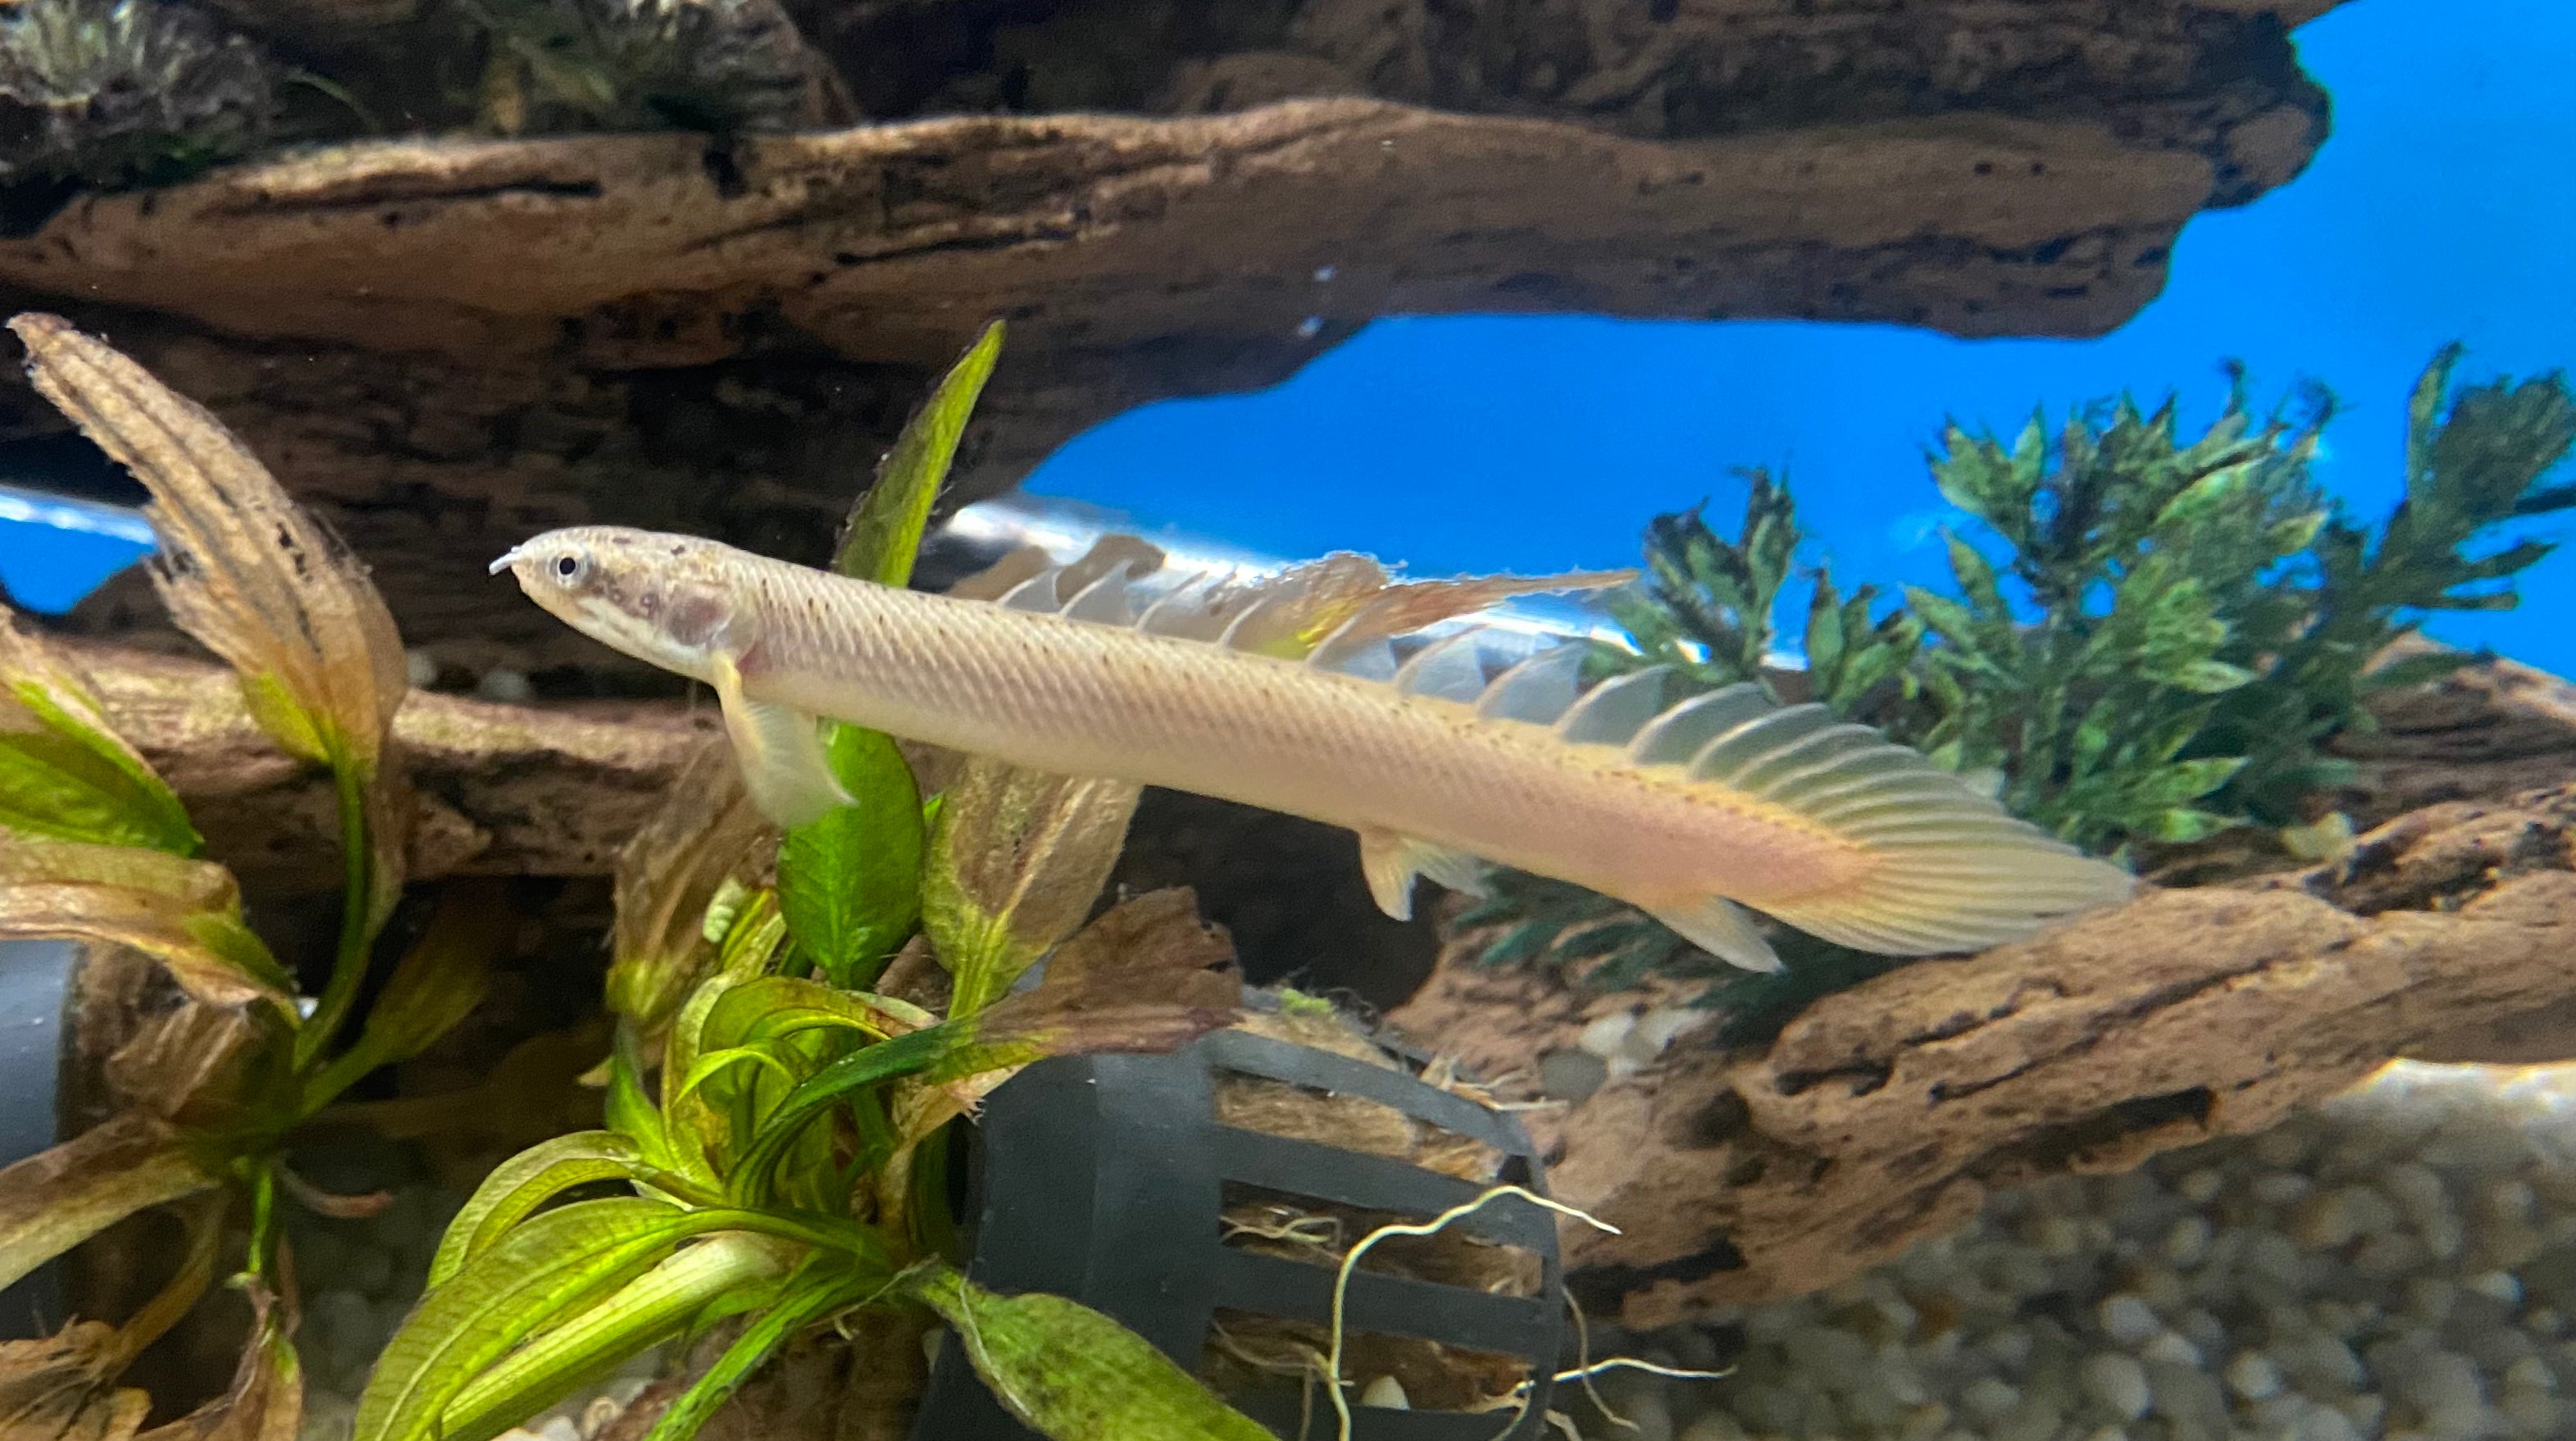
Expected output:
(2498, 1286)
(1387, 1394)
(2117, 1381)
(420, 668)
(2187, 1241)
(2201, 1186)
(1604, 1036)
(1990, 1398)
(559, 1428)
(2172, 1349)
(508, 687)
(2253, 1376)
(2127, 1319)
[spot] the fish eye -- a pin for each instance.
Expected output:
(571, 568)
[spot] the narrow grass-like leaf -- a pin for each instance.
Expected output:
(554, 1266)
(528, 1180)
(807, 1303)
(646, 1311)
(777, 1006)
(56, 1199)
(1073, 1374)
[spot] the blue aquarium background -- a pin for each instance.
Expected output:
(2441, 209)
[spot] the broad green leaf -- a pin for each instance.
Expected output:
(1073, 1374)
(884, 532)
(54, 785)
(646, 1311)
(809, 1301)
(56, 1199)
(849, 884)
(552, 1267)
(528, 1180)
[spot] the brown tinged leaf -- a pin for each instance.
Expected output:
(1016, 860)
(190, 1064)
(56, 1199)
(183, 913)
(244, 569)
(266, 1399)
(705, 833)
(62, 1388)
(1155, 944)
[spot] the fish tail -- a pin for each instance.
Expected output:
(1941, 867)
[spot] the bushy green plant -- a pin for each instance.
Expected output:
(2171, 636)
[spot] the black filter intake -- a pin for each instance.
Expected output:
(1102, 1179)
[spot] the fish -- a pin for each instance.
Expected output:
(1688, 803)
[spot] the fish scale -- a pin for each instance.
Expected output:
(1682, 804)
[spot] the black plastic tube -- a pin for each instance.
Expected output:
(35, 998)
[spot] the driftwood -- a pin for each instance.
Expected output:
(503, 790)
(445, 345)
(1885, 1114)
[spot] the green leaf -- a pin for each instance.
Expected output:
(555, 1265)
(884, 532)
(776, 1006)
(849, 884)
(650, 1309)
(873, 1065)
(1073, 1374)
(812, 1300)
(2208, 677)
(54, 785)
(528, 1180)
(2182, 826)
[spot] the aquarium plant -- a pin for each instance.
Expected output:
(723, 66)
(778, 1112)
(2152, 640)
(115, 93)
(94, 847)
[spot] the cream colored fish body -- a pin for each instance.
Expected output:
(1821, 824)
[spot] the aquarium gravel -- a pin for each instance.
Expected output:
(2400, 1263)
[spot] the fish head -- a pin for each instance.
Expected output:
(659, 598)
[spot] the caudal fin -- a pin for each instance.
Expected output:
(1949, 869)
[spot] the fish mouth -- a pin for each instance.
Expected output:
(508, 559)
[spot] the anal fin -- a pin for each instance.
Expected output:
(1721, 928)
(781, 755)
(1391, 861)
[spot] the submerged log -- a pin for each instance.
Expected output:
(445, 344)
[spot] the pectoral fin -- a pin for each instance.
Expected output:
(1391, 861)
(782, 760)
(1721, 928)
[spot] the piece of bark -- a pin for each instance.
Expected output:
(1884, 1114)
(503, 790)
